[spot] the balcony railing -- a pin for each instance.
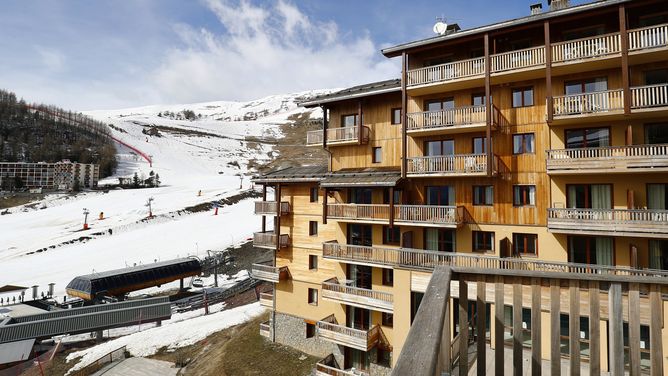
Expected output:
(329, 367)
(630, 158)
(419, 259)
(447, 72)
(456, 118)
(338, 135)
(449, 216)
(519, 59)
(267, 299)
(648, 37)
(450, 165)
(271, 207)
(269, 273)
(624, 222)
(646, 97)
(358, 339)
(586, 48)
(358, 297)
(265, 329)
(589, 103)
(270, 240)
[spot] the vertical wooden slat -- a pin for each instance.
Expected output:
(480, 327)
(517, 327)
(404, 116)
(463, 327)
(655, 324)
(574, 326)
(535, 327)
(555, 340)
(616, 346)
(594, 329)
(446, 346)
(498, 326)
(634, 328)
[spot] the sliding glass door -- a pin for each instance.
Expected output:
(589, 196)
(595, 250)
(657, 196)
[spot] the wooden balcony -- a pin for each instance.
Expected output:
(415, 215)
(269, 273)
(329, 367)
(449, 73)
(267, 299)
(265, 329)
(648, 44)
(508, 64)
(450, 165)
(611, 222)
(456, 120)
(586, 54)
(270, 240)
(339, 136)
(271, 207)
(374, 300)
(650, 99)
(612, 159)
(342, 335)
(578, 107)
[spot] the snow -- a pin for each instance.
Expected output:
(40, 244)
(181, 330)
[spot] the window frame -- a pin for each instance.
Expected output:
(312, 293)
(526, 194)
(376, 158)
(313, 198)
(523, 102)
(310, 330)
(387, 279)
(312, 228)
(524, 143)
(391, 240)
(394, 121)
(387, 319)
(474, 242)
(354, 116)
(312, 262)
(487, 201)
(525, 237)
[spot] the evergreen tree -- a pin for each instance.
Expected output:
(135, 180)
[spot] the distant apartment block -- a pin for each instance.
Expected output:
(64, 175)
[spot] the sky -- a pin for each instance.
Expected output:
(108, 54)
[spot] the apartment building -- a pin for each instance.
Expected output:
(542, 139)
(63, 175)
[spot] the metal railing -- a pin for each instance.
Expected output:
(648, 37)
(458, 164)
(589, 103)
(519, 59)
(269, 240)
(315, 137)
(649, 96)
(609, 157)
(452, 118)
(102, 361)
(271, 207)
(585, 48)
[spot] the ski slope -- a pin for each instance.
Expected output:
(44, 243)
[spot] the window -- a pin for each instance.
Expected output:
(483, 241)
(387, 319)
(524, 195)
(443, 195)
(440, 104)
(388, 277)
(586, 86)
(589, 196)
(593, 250)
(525, 244)
(386, 196)
(656, 133)
(349, 120)
(438, 148)
(391, 235)
(313, 228)
(587, 138)
(657, 196)
(483, 195)
(478, 99)
(360, 196)
(523, 97)
(377, 155)
(313, 193)
(312, 262)
(310, 330)
(656, 77)
(442, 240)
(479, 145)
(384, 357)
(658, 254)
(396, 116)
(524, 143)
(313, 296)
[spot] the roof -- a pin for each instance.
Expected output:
(366, 90)
(294, 174)
(134, 269)
(16, 351)
(369, 177)
(11, 288)
(397, 50)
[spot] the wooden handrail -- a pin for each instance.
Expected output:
(607, 152)
(649, 96)
(269, 238)
(609, 215)
(449, 164)
(648, 37)
(518, 59)
(584, 48)
(429, 214)
(271, 207)
(588, 103)
(458, 116)
(447, 72)
(357, 291)
(371, 212)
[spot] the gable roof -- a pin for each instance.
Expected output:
(366, 90)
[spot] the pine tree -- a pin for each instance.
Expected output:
(157, 180)
(135, 180)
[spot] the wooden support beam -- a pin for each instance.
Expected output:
(446, 341)
(517, 327)
(277, 230)
(634, 329)
(391, 207)
(555, 327)
(498, 326)
(548, 72)
(594, 329)
(463, 326)
(488, 107)
(325, 125)
(264, 199)
(574, 327)
(481, 321)
(324, 206)
(625, 59)
(655, 325)
(359, 122)
(616, 339)
(404, 118)
(536, 331)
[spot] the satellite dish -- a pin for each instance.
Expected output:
(440, 28)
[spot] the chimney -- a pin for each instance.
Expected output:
(34, 292)
(558, 4)
(51, 289)
(536, 9)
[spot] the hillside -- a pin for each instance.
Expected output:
(36, 133)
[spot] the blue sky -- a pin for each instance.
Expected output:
(107, 54)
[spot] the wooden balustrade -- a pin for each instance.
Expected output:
(631, 158)
(429, 214)
(419, 259)
(449, 165)
(460, 117)
(519, 59)
(269, 273)
(625, 222)
(265, 329)
(362, 212)
(447, 72)
(269, 240)
(610, 305)
(645, 97)
(648, 37)
(271, 207)
(359, 297)
(356, 338)
(329, 367)
(267, 299)
(589, 103)
(585, 48)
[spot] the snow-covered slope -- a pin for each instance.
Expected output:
(44, 243)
